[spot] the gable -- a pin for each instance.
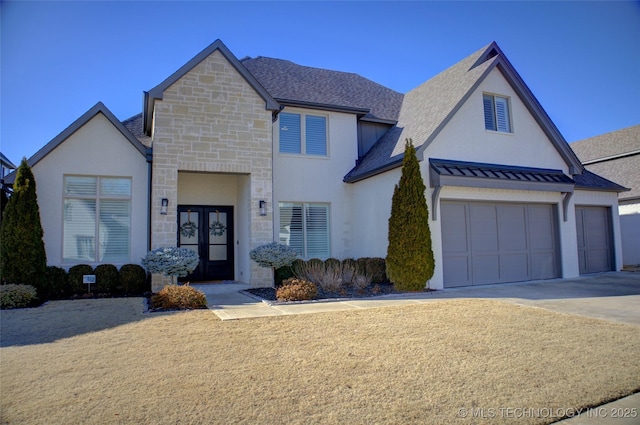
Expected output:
(427, 110)
(464, 137)
(157, 93)
(110, 129)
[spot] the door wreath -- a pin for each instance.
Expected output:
(188, 228)
(217, 228)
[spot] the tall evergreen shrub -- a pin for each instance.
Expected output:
(410, 261)
(22, 253)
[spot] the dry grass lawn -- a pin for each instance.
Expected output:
(104, 362)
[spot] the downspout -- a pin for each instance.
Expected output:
(149, 190)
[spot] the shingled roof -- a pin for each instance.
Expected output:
(293, 84)
(616, 156)
(428, 108)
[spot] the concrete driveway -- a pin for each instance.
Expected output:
(610, 296)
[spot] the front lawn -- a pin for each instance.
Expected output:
(104, 361)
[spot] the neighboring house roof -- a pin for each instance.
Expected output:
(77, 124)
(297, 85)
(158, 91)
(428, 108)
(616, 156)
(6, 163)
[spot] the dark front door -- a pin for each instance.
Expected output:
(209, 232)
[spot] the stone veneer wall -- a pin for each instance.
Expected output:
(211, 120)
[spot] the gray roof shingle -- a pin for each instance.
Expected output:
(616, 156)
(289, 82)
(135, 127)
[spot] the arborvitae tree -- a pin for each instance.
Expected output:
(410, 261)
(22, 251)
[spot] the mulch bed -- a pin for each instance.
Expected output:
(269, 294)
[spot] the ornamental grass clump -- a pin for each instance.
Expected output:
(17, 296)
(171, 261)
(174, 297)
(296, 290)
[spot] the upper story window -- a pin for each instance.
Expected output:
(97, 219)
(496, 113)
(303, 134)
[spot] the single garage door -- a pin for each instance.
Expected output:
(498, 242)
(593, 227)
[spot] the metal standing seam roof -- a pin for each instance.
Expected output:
(444, 167)
(499, 172)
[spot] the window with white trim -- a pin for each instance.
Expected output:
(305, 228)
(303, 134)
(496, 113)
(97, 219)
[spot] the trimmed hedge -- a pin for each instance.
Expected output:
(75, 278)
(133, 279)
(106, 279)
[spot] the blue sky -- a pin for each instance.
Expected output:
(580, 59)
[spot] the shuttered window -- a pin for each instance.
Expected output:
(305, 227)
(97, 219)
(496, 113)
(303, 134)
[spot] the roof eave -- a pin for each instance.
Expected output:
(379, 170)
(322, 106)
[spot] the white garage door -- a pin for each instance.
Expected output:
(498, 242)
(593, 227)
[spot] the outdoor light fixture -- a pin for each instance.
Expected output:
(164, 206)
(263, 208)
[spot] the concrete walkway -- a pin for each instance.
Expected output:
(611, 296)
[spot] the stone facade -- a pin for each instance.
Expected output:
(212, 121)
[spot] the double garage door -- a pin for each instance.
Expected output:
(498, 242)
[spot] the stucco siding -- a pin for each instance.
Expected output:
(299, 178)
(464, 138)
(95, 149)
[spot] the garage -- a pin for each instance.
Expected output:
(485, 242)
(593, 229)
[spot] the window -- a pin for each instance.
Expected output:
(97, 219)
(496, 113)
(303, 134)
(305, 228)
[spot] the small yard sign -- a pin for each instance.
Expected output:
(89, 279)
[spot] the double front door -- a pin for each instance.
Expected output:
(208, 230)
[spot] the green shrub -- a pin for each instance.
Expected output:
(56, 285)
(17, 296)
(178, 297)
(376, 268)
(296, 290)
(75, 278)
(410, 261)
(22, 252)
(133, 279)
(106, 279)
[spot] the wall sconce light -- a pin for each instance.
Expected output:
(164, 206)
(263, 208)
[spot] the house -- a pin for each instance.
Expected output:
(229, 154)
(616, 156)
(6, 167)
